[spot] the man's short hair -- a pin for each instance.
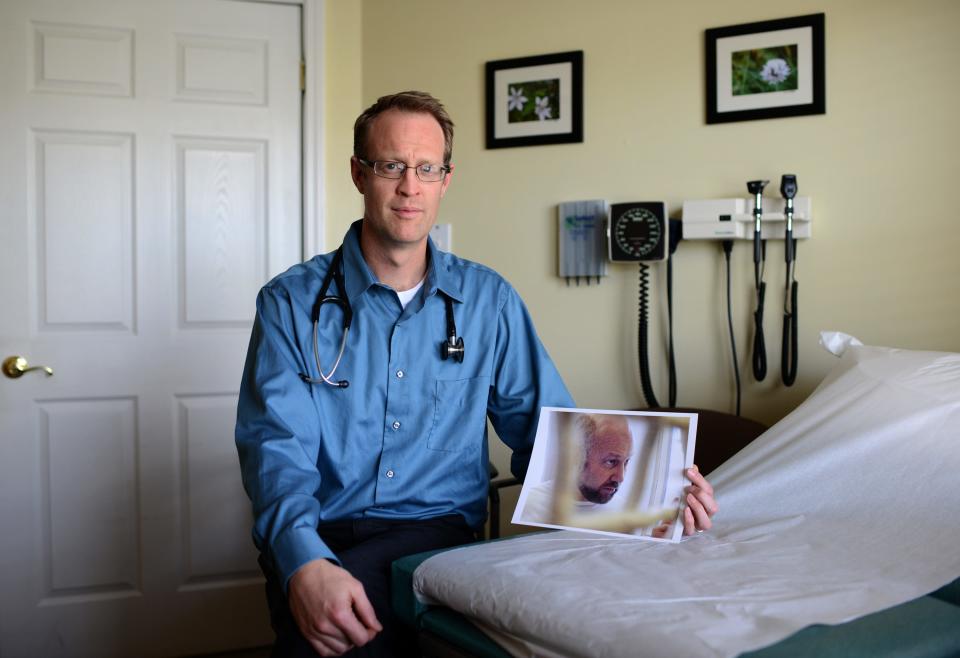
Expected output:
(405, 101)
(588, 425)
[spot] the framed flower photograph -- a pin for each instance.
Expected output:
(766, 70)
(535, 100)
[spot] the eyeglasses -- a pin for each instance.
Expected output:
(427, 172)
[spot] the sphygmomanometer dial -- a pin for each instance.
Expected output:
(637, 232)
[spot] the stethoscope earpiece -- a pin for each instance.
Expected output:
(343, 383)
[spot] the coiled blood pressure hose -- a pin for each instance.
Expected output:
(788, 352)
(643, 352)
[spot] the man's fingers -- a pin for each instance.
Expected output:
(365, 613)
(661, 530)
(331, 608)
(700, 500)
(342, 628)
(327, 625)
(700, 516)
(355, 631)
(706, 499)
(328, 632)
(694, 475)
(689, 524)
(326, 645)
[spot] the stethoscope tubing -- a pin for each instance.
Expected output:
(334, 273)
(316, 357)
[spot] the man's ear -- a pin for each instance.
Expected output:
(446, 181)
(356, 173)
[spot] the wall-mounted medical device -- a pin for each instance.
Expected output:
(592, 231)
(788, 352)
(638, 231)
(734, 219)
(759, 218)
(582, 239)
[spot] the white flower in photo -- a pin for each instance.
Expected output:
(543, 108)
(516, 100)
(775, 71)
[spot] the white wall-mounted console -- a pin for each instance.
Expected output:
(732, 219)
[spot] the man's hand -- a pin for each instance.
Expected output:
(331, 609)
(701, 506)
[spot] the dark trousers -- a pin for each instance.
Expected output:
(366, 548)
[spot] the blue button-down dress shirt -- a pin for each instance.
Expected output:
(407, 439)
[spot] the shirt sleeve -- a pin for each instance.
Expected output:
(524, 380)
(278, 438)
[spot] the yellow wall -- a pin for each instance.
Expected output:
(342, 102)
(881, 166)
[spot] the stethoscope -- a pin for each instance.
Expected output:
(451, 348)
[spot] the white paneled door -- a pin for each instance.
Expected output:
(149, 185)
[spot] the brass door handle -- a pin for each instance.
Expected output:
(17, 366)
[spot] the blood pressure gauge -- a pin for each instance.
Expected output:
(637, 231)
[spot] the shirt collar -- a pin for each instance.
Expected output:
(440, 275)
(358, 277)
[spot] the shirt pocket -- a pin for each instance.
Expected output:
(460, 412)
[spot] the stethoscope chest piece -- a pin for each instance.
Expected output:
(452, 348)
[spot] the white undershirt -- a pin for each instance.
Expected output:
(406, 295)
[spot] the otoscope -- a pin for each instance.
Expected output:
(755, 187)
(788, 354)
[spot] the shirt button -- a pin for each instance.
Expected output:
(396, 424)
(390, 473)
(400, 374)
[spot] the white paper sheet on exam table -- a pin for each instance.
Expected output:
(836, 512)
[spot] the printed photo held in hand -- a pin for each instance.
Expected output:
(614, 472)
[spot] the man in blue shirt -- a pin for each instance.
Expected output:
(361, 446)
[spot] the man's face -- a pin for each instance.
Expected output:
(399, 213)
(607, 457)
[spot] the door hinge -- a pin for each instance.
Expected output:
(303, 75)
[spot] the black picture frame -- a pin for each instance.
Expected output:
(734, 92)
(509, 122)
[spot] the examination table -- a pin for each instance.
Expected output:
(926, 627)
(727, 593)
